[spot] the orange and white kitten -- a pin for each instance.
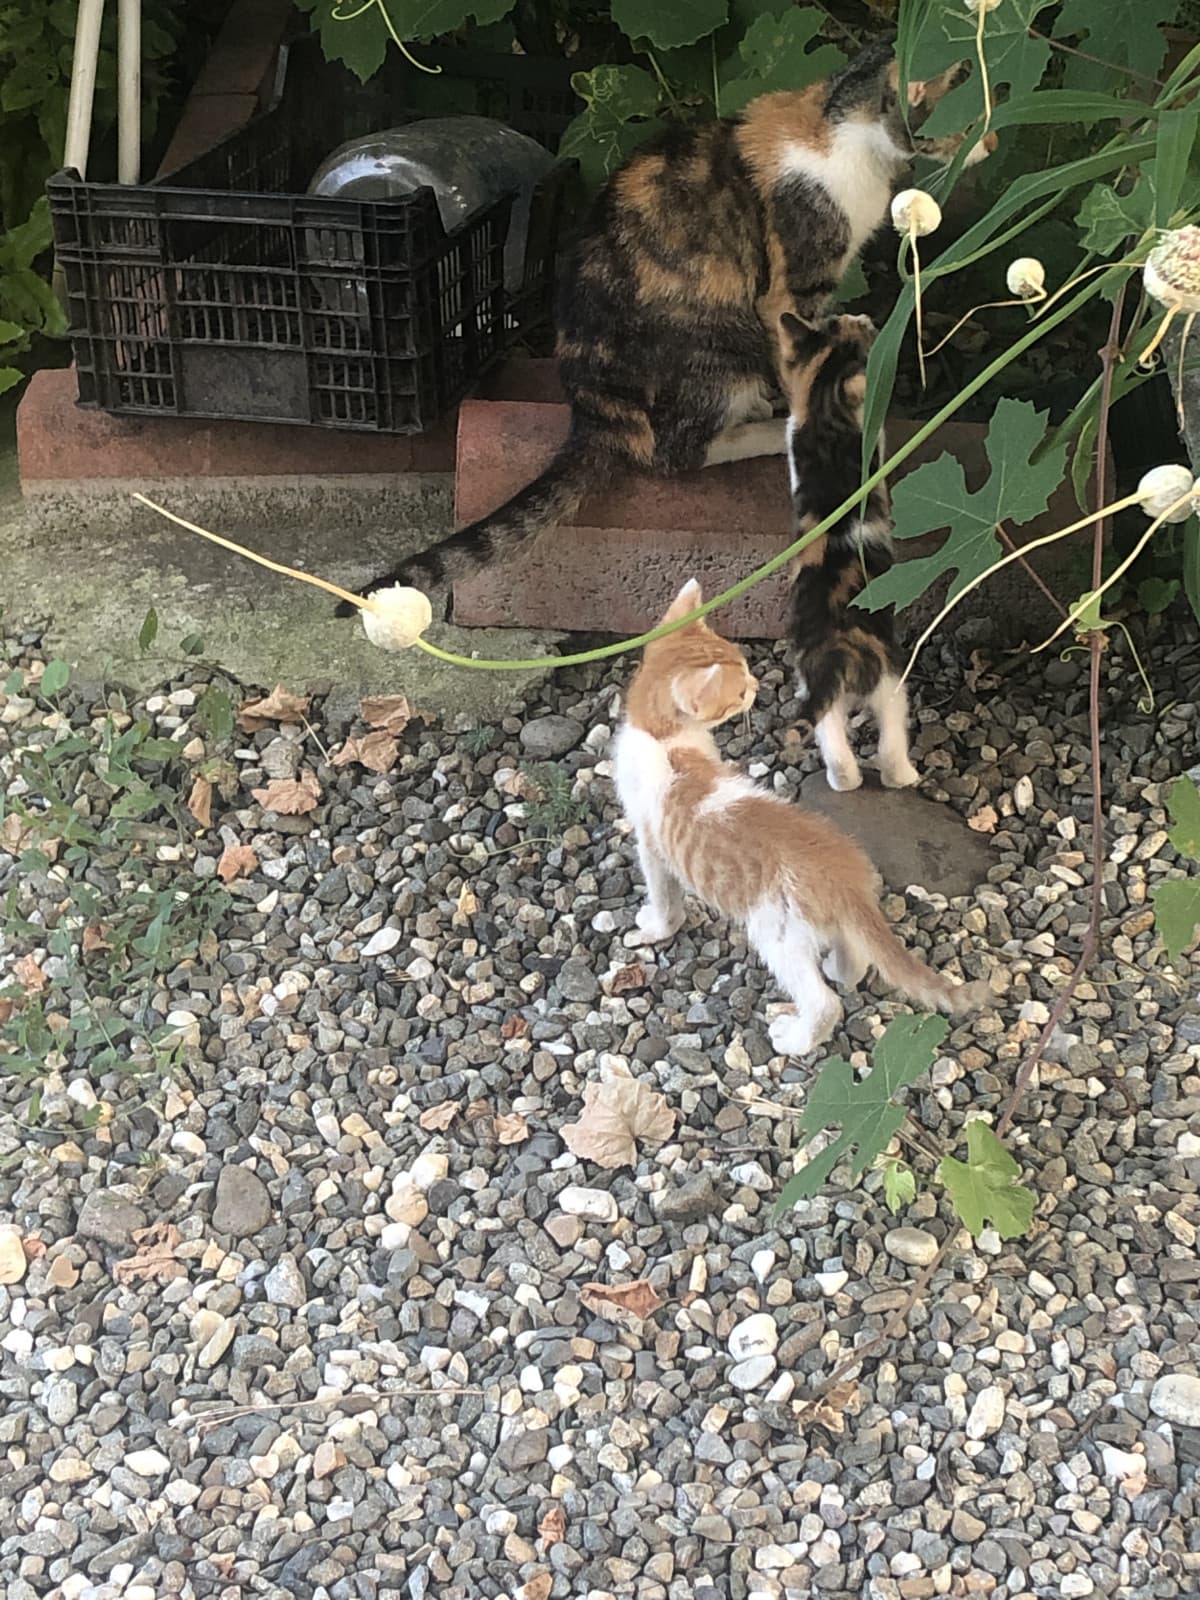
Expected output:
(805, 893)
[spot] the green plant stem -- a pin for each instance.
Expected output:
(662, 82)
(1035, 332)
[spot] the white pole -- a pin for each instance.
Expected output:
(129, 90)
(83, 85)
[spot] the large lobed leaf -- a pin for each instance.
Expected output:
(669, 23)
(621, 113)
(1119, 34)
(983, 1188)
(864, 1108)
(778, 53)
(1015, 58)
(935, 496)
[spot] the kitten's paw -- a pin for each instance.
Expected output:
(654, 927)
(899, 775)
(795, 1035)
(844, 778)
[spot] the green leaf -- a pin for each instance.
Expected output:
(863, 1107)
(854, 283)
(1108, 219)
(1014, 57)
(9, 378)
(148, 631)
(21, 246)
(1048, 106)
(669, 23)
(775, 54)
(1183, 802)
(360, 42)
(881, 372)
(55, 677)
(1119, 33)
(15, 682)
(1177, 913)
(193, 645)
(622, 103)
(10, 331)
(983, 1188)
(214, 713)
(936, 496)
(1155, 594)
(1174, 146)
(899, 1186)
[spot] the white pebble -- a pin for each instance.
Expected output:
(753, 1373)
(380, 943)
(755, 1336)
(597, 1205)
(1176, 1398)
(987, 1413)
(913, 1246)
(147, 1463)
(831, 1283)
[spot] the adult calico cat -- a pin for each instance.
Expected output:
(669, 306)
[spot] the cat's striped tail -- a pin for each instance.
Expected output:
(555, 494)
(909, 974)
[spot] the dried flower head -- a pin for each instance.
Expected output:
(1172, 272)
(1026, 277)
(397, 617)
(1162, 488)
(976, 6)
(915, 213)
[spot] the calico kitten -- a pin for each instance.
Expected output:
(804, 891)
(669, 306)
(845, 657)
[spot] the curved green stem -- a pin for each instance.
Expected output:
(372, 5)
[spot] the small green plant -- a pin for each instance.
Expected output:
(556, 809)
(1177, 900)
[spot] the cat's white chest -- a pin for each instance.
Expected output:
(858, 172)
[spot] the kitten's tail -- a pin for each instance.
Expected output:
(555, 494)
(908, 973)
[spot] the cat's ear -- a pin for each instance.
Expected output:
(685, 602)
(794, 327)
(690, 691)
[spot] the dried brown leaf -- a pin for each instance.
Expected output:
(979, 675)
(631, 977)
(984, 820)
(281, 705)
(514, 1027)
(831, 1409)
(6, 1008)
(29, 975)
(236, 860)
(154, 1259)
(626, 1304)
(93, 938)
(436, 1118)
(617, 1113)
(390, 712)
(290, 797)
(511, 1128)
(552, 1529)
(378, 752)
(199, 802)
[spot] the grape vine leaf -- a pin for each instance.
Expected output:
(983, 1189)
(1014, 57)
(358, 33)
(621, 113)
(1121, 34)
(1108, 219)
(1177, 900)
(864, 1108)
(936, 496)
(899, 1186)
(669, 23)
(774, 54)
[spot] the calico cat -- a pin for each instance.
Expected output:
(804, 891)
(669, 306)
(845, 657)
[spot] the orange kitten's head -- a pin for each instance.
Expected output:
(690, 677)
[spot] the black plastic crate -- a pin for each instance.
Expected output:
(224, 290)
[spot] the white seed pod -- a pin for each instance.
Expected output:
(1026, 277)
(1172, 271)
(1161, 487)
(397, 617)
(915, 213)
(976, 6)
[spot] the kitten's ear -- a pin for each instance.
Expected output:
(690, 689)
(685, 602)
(793, 326)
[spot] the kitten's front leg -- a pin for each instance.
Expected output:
(662, 915)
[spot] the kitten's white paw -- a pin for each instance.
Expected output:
(899, 775)
(654, 927)
(843, 778)
(795, 1035)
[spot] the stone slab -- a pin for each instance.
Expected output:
(910, 839)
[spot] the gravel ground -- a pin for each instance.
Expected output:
(268, 1329)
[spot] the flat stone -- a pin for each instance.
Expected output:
(147, 1463)
(987, 1413)
(910, 839)
(1176, 1398)
(284, 1285)
(243, 1206)
(597, 1205)
(544, 738)
(755, 1336)
(381, 942)
(110, 1218)
(913, 1246)
(967, 1528)
(752, 1374)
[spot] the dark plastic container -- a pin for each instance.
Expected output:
(224, 290)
